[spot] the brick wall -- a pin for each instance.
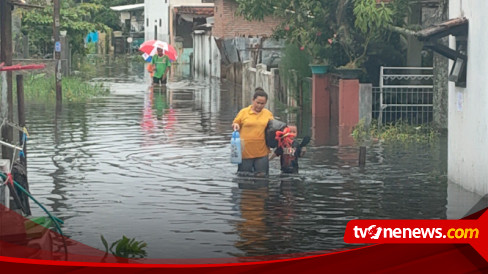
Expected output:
(227, 24)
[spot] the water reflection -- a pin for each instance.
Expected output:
(158, 118)
(253, 228)
(153, 164)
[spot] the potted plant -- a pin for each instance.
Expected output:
(315, 42)
(319, 64)
(319, 52)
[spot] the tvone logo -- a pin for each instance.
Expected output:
(374, 232)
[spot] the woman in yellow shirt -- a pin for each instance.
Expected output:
(251, 122)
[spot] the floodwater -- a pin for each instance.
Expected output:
(154, 165)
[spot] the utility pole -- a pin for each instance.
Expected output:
(6, 56)
(57, 54)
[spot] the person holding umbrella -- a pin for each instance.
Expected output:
(161, 64)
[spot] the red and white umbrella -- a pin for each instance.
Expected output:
(149, 48)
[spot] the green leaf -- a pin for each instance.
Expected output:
(105, 244)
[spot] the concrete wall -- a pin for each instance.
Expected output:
(468, 107)
(259, 77)
(348, 110)
(236, 50)
(366, 102)
(206, 55)
(156, 14)
(335, 109)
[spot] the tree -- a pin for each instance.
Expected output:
(38, 24)
(342, 31)
(370, 24)
(357, 29)
(305, 23)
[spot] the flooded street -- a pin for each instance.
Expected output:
(154, 165)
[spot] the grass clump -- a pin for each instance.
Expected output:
(403, 132)
(361, 133)
(398, 132)
(42, 87)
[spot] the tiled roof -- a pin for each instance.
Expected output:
(455, 26)
(205, 11)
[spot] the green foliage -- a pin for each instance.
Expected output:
(370, 24)
(398, 133)
(304, 24)
(254, 9)
(294, 59)
(42, 87)
(75, 18)
(294, 66)
(341, 32)
(402, 132)
(125, 247)
(361, 133)
(370, 19)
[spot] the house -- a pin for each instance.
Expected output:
(236, 40)
(132, 22)
(156, 20)
(468, 111)
(184, 18)
(165, 20)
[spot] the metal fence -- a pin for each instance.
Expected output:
(405, 93)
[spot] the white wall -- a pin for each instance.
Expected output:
(468, 107)
(156, 11)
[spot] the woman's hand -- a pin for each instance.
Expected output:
(236, 126)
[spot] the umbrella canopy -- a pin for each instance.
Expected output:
(149, 48)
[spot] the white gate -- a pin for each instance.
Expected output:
(405, 93)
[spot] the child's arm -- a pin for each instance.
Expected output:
(276, 153)
(300, 152)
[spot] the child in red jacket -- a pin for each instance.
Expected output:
(289, 149)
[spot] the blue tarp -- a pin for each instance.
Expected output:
(92, 37)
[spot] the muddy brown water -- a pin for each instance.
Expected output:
(154, 165)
